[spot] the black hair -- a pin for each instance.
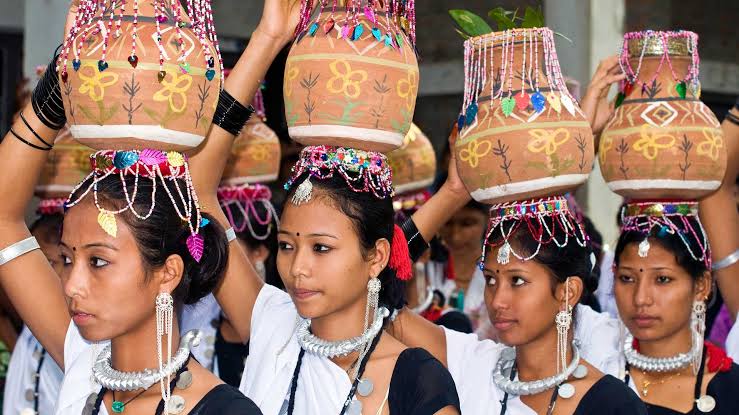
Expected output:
(673, 243)
(272, 277)
(164, 233)
(570, 260)
(49, 226)
(372, 219)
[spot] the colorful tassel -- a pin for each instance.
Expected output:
(400, 258)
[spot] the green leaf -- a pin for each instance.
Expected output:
(464, 35)
(470, 23)
(501, 17)
(532, 18)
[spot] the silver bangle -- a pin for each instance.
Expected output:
(17, 249)
(727, 261)
(230, 234)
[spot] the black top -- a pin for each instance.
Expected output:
(225, 400)
(609, 396)
(420, 385)
(724, 388)
(231, 359)
(455, 320)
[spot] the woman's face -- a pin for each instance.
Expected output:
(104, 280)
(464, 230)
(320, 260)
(655, 295)
(513, 292)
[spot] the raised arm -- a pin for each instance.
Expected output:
(410, 328)
(29, 281)
(721, 221)
(241, 285)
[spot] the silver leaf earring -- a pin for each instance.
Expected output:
(164, 316)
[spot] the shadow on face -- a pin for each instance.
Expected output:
(105, 282)
(655, 294)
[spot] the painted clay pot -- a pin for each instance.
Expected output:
(255, 156)
(659, 145)
(342, 91)
(67, 165)
(413, 164)
(117, 97)
(519, 140)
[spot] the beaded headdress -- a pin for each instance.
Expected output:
(401, 13)
(407, 204)
(548, 221)
(243, 201)
(667, 217)
(363, 171)
(640, 44)
(169, 169)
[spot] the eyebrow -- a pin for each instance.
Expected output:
(506, 271)
(649, 268)
(310, 235)
(93, 245)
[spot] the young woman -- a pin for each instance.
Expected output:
(542, 365)
(33, 379)
(663, 281)
(103, 324)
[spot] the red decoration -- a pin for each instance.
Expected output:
(400, 258)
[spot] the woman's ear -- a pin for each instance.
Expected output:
(703, 286)
(170, 274)
(570, 291)
(380, 257)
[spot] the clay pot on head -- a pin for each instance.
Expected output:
(662, 142)
(115, 93)
(413, 164)
(519, 137)
(67, 165)
(255, 156)
(351, 80)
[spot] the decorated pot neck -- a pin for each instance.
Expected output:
(655, 43)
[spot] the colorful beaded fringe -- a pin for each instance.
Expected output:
(51, 206)
(363, 171)
(669, 217)
(243, 200)
(109, 16)
(159, 167)
(391, 21)
(507, 218)
(650, 39)
(480, 71)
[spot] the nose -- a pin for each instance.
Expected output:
(499, 297)
(75, 283)
(643, 295)
(301, 264)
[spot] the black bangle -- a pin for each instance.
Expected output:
(34, 131)
(733, 118)
(231, 115)
(26, 142)
(47, 99)
(416, 244)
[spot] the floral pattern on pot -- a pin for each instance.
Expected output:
(413, 164)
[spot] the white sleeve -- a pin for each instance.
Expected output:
(600, 339)
(469, 359)
(74, 345)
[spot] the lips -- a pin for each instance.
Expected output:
(644, 320)
(502, 324)
(304, 294)
(81, 318)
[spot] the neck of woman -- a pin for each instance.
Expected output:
(537, 359)
(137, 350)
(678, 342)
(465, 265)
(342, 324)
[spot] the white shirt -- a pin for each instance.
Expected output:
(201, 316)
(732, 341)
(78, 383)
(273, 353)
(604, 293)
(24, 362)
(471, 362)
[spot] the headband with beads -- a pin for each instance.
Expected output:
(51, 206)
(364, 171)
(386, 17)
(480, 55)
(407, 204)
(243, 200)
(532, 214)
(162, 168)
(167, 12)
(670, 217)
(658, 43)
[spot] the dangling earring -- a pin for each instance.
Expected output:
(164, 316)
(563, 321)
(260, 269)
(698, 327)
(373, 299)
